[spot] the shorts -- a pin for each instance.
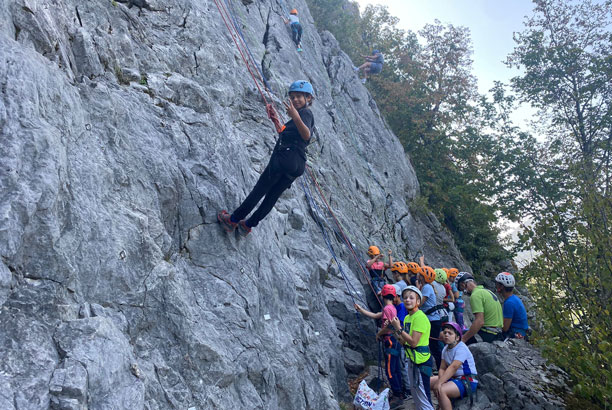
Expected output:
(461, 386)
(375, 68)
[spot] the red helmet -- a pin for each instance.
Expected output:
(414, 268)
(388, 290)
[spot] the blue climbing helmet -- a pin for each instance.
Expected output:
(302, 86)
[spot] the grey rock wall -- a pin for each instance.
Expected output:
(122, 132)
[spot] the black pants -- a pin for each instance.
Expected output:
(486, 337)
(273, 181)
(296, 33)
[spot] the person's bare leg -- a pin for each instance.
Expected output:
(449, 391)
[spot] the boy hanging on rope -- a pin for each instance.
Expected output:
(296, 28)
(287, 162)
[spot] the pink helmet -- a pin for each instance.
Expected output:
(455, 326)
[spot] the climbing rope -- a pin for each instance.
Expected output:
(312, 177)
(270, 107)
(230, 6)
(351, 289)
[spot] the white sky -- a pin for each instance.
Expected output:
(491, 24)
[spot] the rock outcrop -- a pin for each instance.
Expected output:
(122, 131)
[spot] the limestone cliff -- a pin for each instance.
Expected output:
(122, 131)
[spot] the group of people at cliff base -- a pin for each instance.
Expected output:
(422, 327)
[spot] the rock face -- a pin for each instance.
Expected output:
(123, 130)
(512, 375)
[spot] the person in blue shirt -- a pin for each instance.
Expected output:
(515, 315)
(373, 65)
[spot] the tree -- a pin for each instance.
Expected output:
(563, 183)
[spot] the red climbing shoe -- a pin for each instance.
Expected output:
(243, 228)
(225, 220)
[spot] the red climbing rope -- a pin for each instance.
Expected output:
(348, 243)
(270, 108)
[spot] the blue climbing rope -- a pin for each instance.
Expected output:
(351, 289)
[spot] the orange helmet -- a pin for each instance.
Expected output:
(373, 250)
(294, 11)
(428, 274)
(445, 270)
(453, 272)
(399, 267)
(414, 268)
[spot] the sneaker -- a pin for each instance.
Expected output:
(363, 80)
(225, 220)
(355, 68)
(243, 228)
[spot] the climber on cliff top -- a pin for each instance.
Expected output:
(515, 315)
(373, 65)
(296, 28)
(486, 309)
(288, 161)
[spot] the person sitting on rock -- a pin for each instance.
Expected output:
(486, 309)
(296, 28)
(373, 65)
(377, 267)
(456, 378)
(415, 337)
(288, 161)
(515, 315)
(391, 346)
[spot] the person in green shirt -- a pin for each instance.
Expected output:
(415, 338)
(488, 318)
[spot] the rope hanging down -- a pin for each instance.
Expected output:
(273, 115)
(310, 173)
(270, 108)
(351, 289)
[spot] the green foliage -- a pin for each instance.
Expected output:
(562, 185)
(429, 99)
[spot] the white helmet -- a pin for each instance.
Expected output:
(398, 289)
(505, 279)
(413, 289)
